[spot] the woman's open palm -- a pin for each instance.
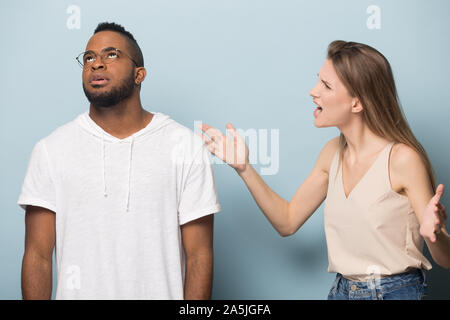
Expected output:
(232, 150)
(434, 216)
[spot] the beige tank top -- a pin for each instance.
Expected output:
(373, 231)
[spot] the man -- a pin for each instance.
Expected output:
(127, 196)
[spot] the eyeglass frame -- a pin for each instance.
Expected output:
(105, 50)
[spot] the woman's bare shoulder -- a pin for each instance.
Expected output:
(327, 154)
(405, 157)
(405, 164)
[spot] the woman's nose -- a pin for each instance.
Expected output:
(313, 92)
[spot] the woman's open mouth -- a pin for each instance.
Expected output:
(317, 111)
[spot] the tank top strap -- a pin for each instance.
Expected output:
(333, 174)
(385, 157)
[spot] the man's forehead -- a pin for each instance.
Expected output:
(104, 39)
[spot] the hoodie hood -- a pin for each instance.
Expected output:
(158, 122)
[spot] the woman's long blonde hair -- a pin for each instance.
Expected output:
(367, 75)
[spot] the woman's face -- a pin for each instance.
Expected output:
(334, 103)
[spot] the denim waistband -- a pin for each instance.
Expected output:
(407, 285)
(416, 276)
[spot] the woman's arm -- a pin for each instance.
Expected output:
(286, 217)
(409, 174)
(433, 229)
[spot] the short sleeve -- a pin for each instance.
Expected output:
(199, 196)
(38, 188)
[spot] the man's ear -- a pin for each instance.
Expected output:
(139, 75)
(356, 106)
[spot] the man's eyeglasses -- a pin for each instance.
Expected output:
(107, 55)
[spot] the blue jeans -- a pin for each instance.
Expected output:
(403, 286)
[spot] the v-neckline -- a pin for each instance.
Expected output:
(363, 176)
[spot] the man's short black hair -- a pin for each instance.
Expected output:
(136, 52)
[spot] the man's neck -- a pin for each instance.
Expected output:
(123, 119)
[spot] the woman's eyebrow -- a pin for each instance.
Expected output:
(324, 81)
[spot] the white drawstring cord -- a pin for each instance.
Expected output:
(104, 165)
(129, 172)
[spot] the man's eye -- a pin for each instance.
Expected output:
(112, 55)
(88, 59)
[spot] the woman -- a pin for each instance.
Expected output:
(376, 180)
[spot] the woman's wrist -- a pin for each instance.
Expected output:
(243, 172)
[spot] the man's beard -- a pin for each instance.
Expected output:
(112, 97)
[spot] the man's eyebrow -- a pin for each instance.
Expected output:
(109, 49)
(103, 50)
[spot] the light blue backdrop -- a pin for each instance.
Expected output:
(248, 62)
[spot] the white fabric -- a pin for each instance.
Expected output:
(119, 204)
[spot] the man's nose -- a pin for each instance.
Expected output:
(98, 64)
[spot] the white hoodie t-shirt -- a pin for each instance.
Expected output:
(119, 204)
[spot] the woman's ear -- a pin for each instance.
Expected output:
(356, 106)
(139, 75)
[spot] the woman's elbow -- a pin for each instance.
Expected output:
(286, 232)
(289, 227)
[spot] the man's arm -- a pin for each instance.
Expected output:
(198, 247)
(37, 259)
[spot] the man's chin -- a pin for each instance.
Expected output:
(101, 100)
(104, 95)
(103, 103)
(96, 94)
